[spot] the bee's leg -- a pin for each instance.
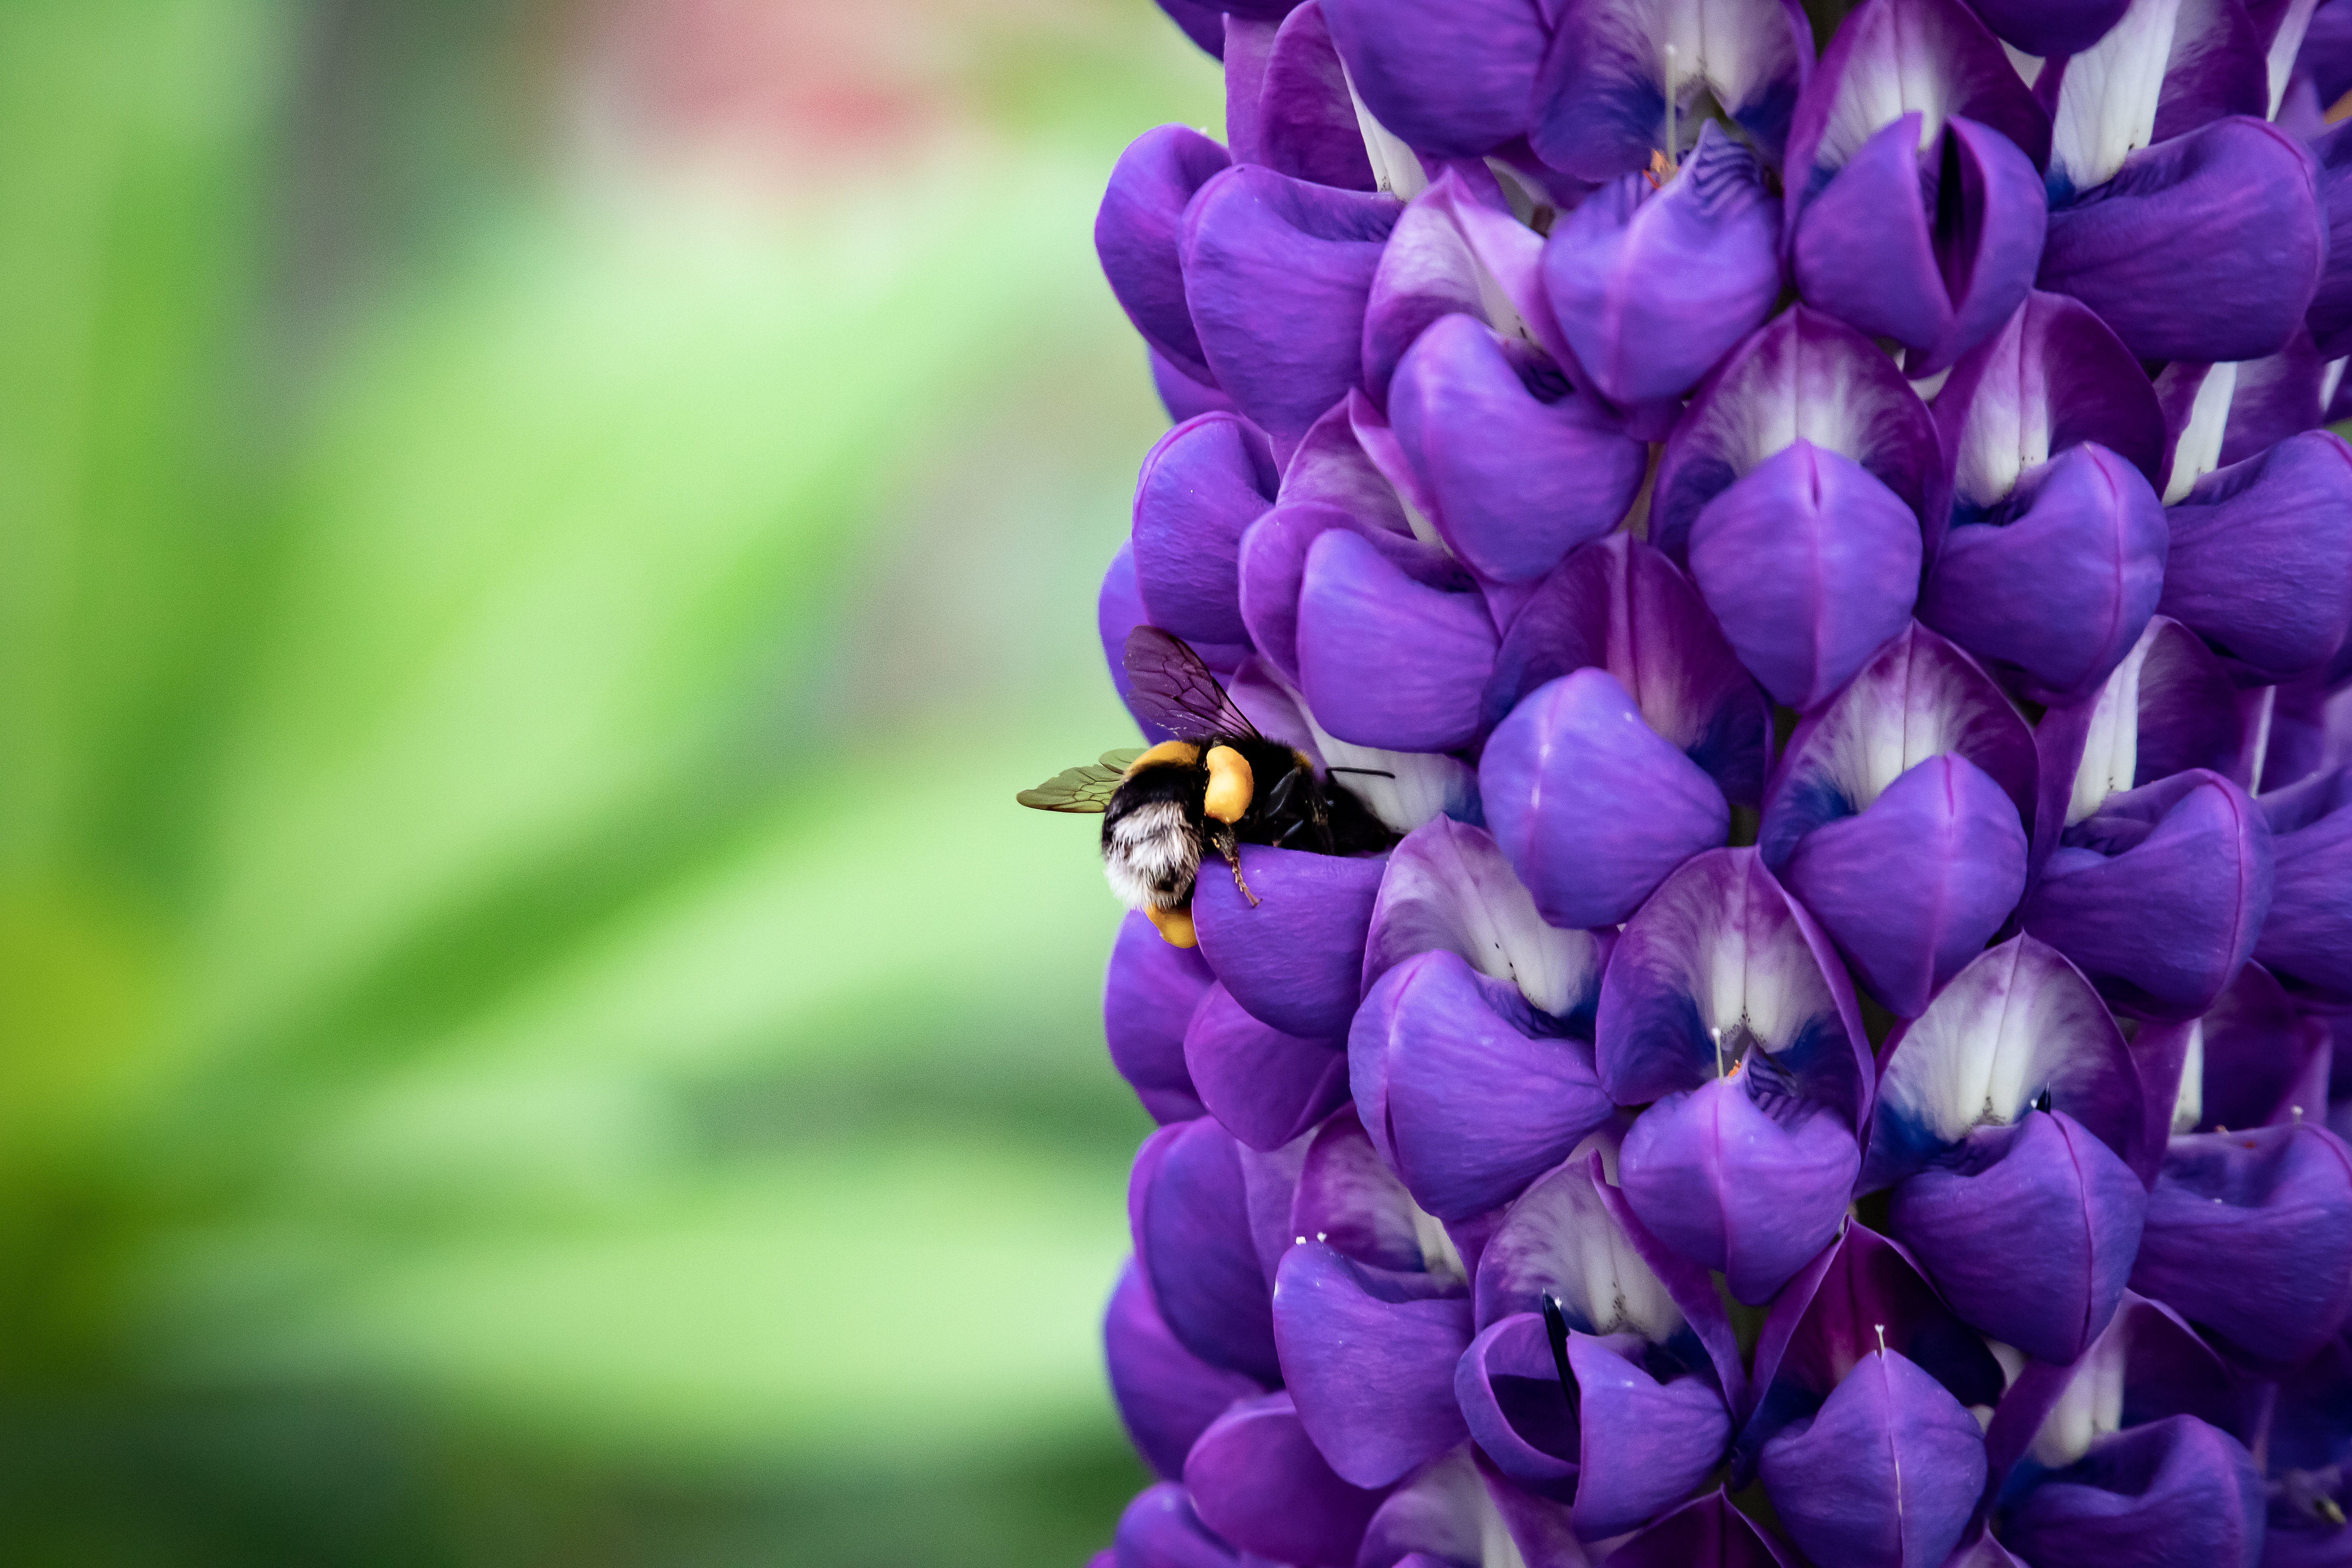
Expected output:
(1230, 848)
(1322, 816)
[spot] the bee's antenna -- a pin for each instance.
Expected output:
(1369, 772)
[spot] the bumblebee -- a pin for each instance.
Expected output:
(1166, 807)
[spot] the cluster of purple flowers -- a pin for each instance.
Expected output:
(1824, 546)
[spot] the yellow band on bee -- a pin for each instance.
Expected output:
(1230, 785)
(1174, 925)
(1182, 752)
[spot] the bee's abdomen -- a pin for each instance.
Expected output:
(1152, 837)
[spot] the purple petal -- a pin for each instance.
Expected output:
(1592, 806)
(1204, 482)
(1447, 889)
(1451, 77)
(2044, 29)
(1913, 886)
(1272, 567)
(1620, 605)
(1307, 120)
(1331, 467)
(2147, 1365)
(1811, 564)
(2159, 895)
(1926, 236)
(2249, 1237)
(2166, 707)
(1508, 1386)
(1275, 274)
(1184, 397)
(1720, 963)
(2308, 937)
(1456, 1511)
(1919, 698)
(1805, 377)
(1862, 1293)
(1370, 1360)
(1248, 49)
(2052, 378)
(1265, 1086)
(1149, 996)
(1602, 105)
(1565, 1239)
(1384, 660)
(1428, 272)
(1293, 958)
(2158, 251)
(2261, 558)
(1203, 22)
(1521, 469)
(2016, 1024)
(1159, 1529)
(1727, 1182)
(2282, 395)
(1193, 1248)
(1708, 1531)
(1257, 1479)
(2330, 317)
(2173, 1494)
(1476, 1096)
(1884, 1476)
(1652, 286)
(2061, 586)
(2262, 1064)
(1166, 1395)
(1349, 1199)
(1968, 1221)
(1648, 1443)
(1139, 234)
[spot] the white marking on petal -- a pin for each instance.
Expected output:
(1424, 785)
(1439, 1256)
(2284, 47)
(2111, 749)
(1395, 167)
(2091, 1407)
(2189, 1100)
(2197, 452)
(1989, 1043)
(2007, 430)
(2028, 67)
(2106, 104)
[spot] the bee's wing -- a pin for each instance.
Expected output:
(1174, 690)
(1081, 789)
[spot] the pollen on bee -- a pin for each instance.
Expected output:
(1175, 926)
(1230, 784)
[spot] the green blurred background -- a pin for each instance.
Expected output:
(538, 539)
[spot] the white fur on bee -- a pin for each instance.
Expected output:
(1153, 856)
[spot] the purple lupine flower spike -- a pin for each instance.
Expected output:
(1774, 986)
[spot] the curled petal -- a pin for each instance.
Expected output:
(1919, 698)
(1147, 1001)
(2261, 558)
(1266, 1087)
(2159, 894)
(2308, 937)
(2173, 1494)
(1331, 467)
(1206, 481)
(1456, 1511)
(1521, 469)
(1275, 274)
(1293, 958)
(1652, 286)
(2049, 1179)
(1428, 271)
(1592, 806)
(2158, 252)
(1892, 57)
(2147, 1365)
(1928, 238)
(1349, 1199)
(2166, 707)
(1257, 1480)
(2043, 30)
(1451, 77)
(1384, 660)
(1447, 889)
(2163, 69)
(1648, 1442)
(1193, 1244)
(1182, 396)
(2261, 1063)
(1623, 606)
(1805, 377)
(1369, 1358)
(1885, 1475)
(1621, 70)
(1507, 1384)
(2330, 317)
(1811, 564)
(1913, 886)
(1306, 123)
(1159, 1529)
(2282, 395)
(1272, 567)
(2054, 377)
(2249, 1237)
(2016, 1028)
(1475, 1094)
(1139, 234)
(1728, 1183)
(1722, 970)
(1166, 1395)
(2062, 587)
